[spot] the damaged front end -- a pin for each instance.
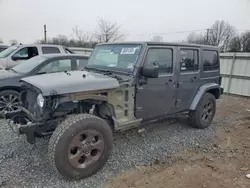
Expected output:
(34, 118)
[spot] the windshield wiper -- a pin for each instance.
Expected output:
(98, 69)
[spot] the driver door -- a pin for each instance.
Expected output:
(157, 97)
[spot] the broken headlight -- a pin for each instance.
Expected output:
(40, 100)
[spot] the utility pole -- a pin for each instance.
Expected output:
(207, 36)
(45, 34)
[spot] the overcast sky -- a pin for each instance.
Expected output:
(24, 19)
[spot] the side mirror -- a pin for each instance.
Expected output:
(150, 72)
(16, 57)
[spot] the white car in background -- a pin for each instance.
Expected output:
(16, 54)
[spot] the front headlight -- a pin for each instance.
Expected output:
(40, 100)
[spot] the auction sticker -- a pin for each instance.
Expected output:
(128, 50)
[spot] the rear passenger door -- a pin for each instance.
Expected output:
(189, 76)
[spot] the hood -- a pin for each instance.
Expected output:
(7, 74)
(71, 82)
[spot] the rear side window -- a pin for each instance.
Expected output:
(210, 60)
(50, 50)
(189, 60)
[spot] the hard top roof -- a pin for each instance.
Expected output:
(163, 44)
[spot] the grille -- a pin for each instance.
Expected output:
(28, 100)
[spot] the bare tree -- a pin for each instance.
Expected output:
(220, 34)
(195, 38)
(157, 38)
(235, 44)
(245, 41)
(108, 31)
(80, 35)
(60, 39)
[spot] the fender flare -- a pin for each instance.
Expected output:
(200, 93)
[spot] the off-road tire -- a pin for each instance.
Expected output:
(62, 137)
(195, 116)
(9, 92)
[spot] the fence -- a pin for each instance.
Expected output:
(235, 72)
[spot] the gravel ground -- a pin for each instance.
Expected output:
(25, 165)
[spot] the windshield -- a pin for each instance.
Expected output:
(28, 65)
(7, 52)
(114, 57)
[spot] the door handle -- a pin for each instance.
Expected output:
(194, 78)
(169, 82)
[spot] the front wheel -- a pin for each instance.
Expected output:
(80, 146)
(204, 113)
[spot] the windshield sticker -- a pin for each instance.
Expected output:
(128, 51)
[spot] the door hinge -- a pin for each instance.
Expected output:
(177, 103)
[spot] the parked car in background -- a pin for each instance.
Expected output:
(3, 47)
(18, 53)
(83, 51)
(44, 64)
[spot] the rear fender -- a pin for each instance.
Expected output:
(200, 93)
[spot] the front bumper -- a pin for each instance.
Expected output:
(24, 123)
(21, 123)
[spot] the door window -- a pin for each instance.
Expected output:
(50, 50)
(162, 58)
(27, 52)
(189, 60)
(81, 63)
(210, 60)
(57, 66)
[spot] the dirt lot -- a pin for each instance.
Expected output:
(179, 155)
(225, 163)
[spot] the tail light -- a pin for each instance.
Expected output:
(220, 78)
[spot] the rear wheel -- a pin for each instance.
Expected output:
(80, 146)
(9, 102)
(203, 116)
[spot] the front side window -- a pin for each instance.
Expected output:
(50, 50)
(162, 58)
(23, 52)
(57, 66)
(210, 60)
(115, 56)
(189, 60)
(26, 53)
